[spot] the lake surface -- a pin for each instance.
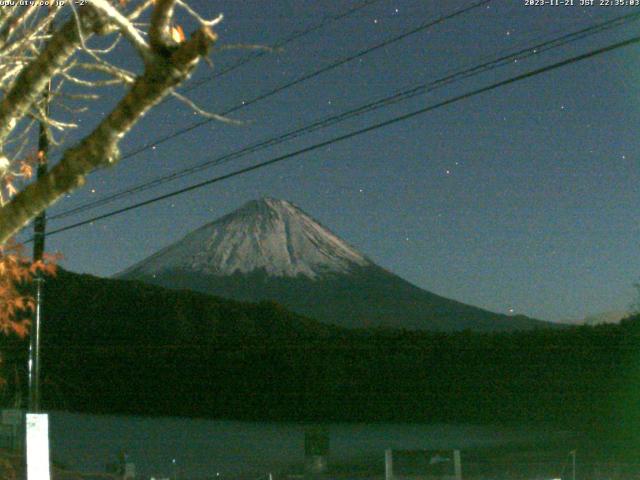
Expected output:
(203, 448)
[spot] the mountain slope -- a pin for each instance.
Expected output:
(271, 250)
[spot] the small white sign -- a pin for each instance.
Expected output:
(38, 446)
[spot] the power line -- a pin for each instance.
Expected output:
(281, 43)
(386, 101)
(327, 20)
(311, 75)
(356, 133)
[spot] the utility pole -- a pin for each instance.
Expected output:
(38, 464)
(37, 458)
(573, 459)
(38, 249)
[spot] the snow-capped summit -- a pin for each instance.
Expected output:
(267, 235)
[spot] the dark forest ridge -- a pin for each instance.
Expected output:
(116, 346)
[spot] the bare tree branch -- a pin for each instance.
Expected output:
(200, 111)
(160, 29)
(31, 81)
(32, 56)
(170, 67)
(126, 27)
(135, 14)
(15, 22)
(205, 23)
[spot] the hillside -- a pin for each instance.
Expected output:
(116, 346)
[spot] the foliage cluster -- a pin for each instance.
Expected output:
(16, 273)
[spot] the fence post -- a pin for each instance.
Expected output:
(457, 465)
(388, 464)
(316, 451)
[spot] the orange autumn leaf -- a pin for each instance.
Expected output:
(21, 329)
(11, 189)
(177, 34)
(26, 169)
(16, 271)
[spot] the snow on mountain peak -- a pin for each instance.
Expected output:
(267, 234)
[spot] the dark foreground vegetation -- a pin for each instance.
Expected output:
(112, 346)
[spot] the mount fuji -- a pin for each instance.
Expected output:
(271, 250)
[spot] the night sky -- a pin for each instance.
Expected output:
(519, 200)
